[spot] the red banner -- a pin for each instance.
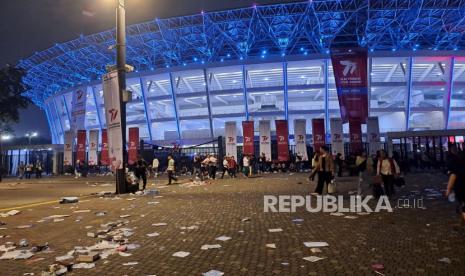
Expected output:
(81, 146)
(350, 67)
(282, 134)
(248, 132)
(318, 131)
(104, 154)
(133, 145)
(355, 130)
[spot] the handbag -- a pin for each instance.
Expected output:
(332, 187)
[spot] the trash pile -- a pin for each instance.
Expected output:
(20, 250)
(112, 239)
(195, 183)
(9, 213)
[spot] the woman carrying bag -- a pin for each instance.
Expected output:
(387, 170)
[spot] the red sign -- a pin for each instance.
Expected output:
(104, 154)
(248, 132)
(133, 145)
(319, 136)
(282, 135)
(355, 130)
(350, 69)
(81, 145)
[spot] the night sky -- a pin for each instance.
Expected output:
(27, 26)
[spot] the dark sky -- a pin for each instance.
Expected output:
(27, 26)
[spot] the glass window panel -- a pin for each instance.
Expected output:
(426, 120)
(457, 120)
(219, 123)
(458, 91)
(265, 75)
(388, 82)
(195, 129)
(429, 82)
(189, 81)
(158, 85)
(390, 121)
(165, 131)
(226, 92)
(305, 72)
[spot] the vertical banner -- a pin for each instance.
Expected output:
(231, 139)
(373, 136)
(300, 134)
(68, 150)
(104, 154)
(282, 134)
(133, 145)
(78, 111)
(337, 136)
(93, 147)
(350, 67)
(318, 132)
(113, 118)
(248, 132)
(264, 128)
(81, 146)
(355, 130)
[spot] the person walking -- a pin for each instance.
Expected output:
(456, 183)
(339, 163)
(212, 166)
(325, 169)
(225, 166)
(171, 170)
(361, 165)
(21, 170)
(38, 169)
(246, 166)
(155, 166)
(28, 171)
(232, 166)
(388, 170)
(198, 168)
(315, 166)
(141, 170)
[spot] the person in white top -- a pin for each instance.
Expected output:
(225, 166)
(212, 166)
(388, 169)
(155, 165)
(246, 165)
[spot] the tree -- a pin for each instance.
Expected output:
(12, 100)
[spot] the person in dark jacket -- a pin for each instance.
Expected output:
(140, 170)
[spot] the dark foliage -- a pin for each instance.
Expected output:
(11, 94)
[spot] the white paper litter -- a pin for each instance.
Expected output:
(83, 266)
(13, 212)
(16, 255)
(154, 234)
(159, 224)
(316, 244)
(445, 260)
(181, 254)
(313, 259)
(23, 226)
(315, 250)
(213, 273)
(6, 248)
(124, 216)
(337, 214)
(189, 227)
(350, 217)
(130, 263)
(275, 230)
(223, 238)
(63, 258)
(210, 246)
(123, 254)
(81, 211)
(271, 245)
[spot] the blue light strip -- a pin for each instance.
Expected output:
(207, 90)
(326, 98)
(66, 108)
(450, 87)
(59, 120)
(286, 95)
(97, 109)
(175, 106)
(51, 126)
(409, 93)
(144, 101)
(244, 87)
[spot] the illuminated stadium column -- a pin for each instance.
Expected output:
(450, 65)
(408, 95)
(148, 119)
(98, 110)
(207, 92)
(51, 125)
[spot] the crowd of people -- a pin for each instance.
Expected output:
(27, 170)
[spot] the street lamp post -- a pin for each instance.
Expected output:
(3, 137)
(121, 67)
(31, 135)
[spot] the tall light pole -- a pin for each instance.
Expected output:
(31, 135)
(121, 67)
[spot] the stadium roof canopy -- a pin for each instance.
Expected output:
(282, 30)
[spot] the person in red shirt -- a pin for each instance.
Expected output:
(232, 164)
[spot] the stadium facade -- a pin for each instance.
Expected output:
(194, 73)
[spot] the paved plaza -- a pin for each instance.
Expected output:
(409, 241)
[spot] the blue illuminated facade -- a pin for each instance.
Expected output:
(194, 73)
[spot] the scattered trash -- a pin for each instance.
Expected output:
(69, 199)
(24, 226)
(123, 254)
(275, 230)
(337, 214)
(315, 250)
(350, 217)
(10, 213)
(377, 267)
(84, 266)
(223, 238)
(81, 211)
(245, 219)
(2, 223)
(124, 216)
(181, 254)
(159, 224)
(154, 234)
(445, 260)
(271, 245)
(16, 255)
(101, 214)
(210, 246)
(316, 244)
(89, 258)
(130, 263)
(190, 227)
(313, 259)
(63, 258)
(213, 273)
(286, 264)
(298, 220)
(6, 248)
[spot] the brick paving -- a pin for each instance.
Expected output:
(406, 242)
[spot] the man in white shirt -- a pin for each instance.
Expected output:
(225, 166)
(246, 165)
(212, 166)
(155, 165)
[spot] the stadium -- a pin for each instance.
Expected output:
(194, 73)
